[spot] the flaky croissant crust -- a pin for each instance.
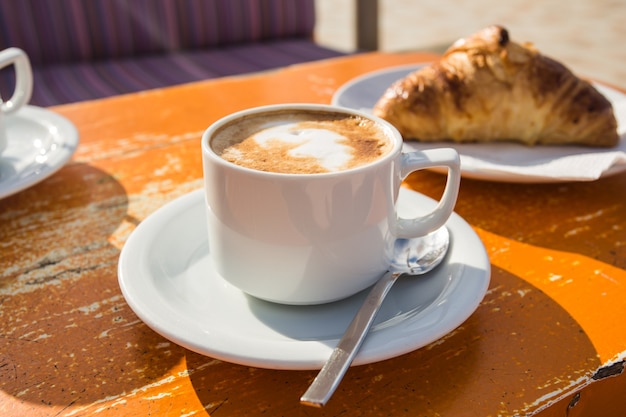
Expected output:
(488, 88)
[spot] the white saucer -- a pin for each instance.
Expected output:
(40, 142)
(507, 162)
(166, 277)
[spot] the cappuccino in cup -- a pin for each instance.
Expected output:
(301, 200)
(302, 142)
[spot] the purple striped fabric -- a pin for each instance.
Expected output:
(76, 81)
(88, 49)
(53, 31)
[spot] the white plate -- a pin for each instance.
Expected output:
(40, 142)
(509, 162)
(166, 277)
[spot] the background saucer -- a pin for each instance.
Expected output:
(40, 142)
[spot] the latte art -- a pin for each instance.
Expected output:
(305, 143)
(324, 146)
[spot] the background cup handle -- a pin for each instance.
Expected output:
(23, 79)
(413, 161)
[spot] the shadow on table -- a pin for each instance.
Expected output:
(69, 339)
(67, 336)
(518, 347)
(588, 218)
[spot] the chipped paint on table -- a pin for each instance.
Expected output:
(548, 339)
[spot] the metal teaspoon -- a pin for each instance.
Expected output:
(411, 257)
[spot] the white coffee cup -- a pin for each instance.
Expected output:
(319, 237)
(23, 87)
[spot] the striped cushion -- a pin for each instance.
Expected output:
(53, 31)
(88, 49)
(77, 81)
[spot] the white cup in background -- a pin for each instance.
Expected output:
(23, 87)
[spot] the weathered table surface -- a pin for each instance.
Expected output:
(548, 339)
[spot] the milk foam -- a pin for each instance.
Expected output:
(301, 142)
(323, 145)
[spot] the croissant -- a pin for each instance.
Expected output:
(489, 88)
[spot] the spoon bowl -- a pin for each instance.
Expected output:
(420, 255)
(410, 257)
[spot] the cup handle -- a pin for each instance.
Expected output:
(413, 161)
(23, 79)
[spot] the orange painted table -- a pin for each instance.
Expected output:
(549, 338)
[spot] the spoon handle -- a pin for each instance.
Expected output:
(329, 377)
